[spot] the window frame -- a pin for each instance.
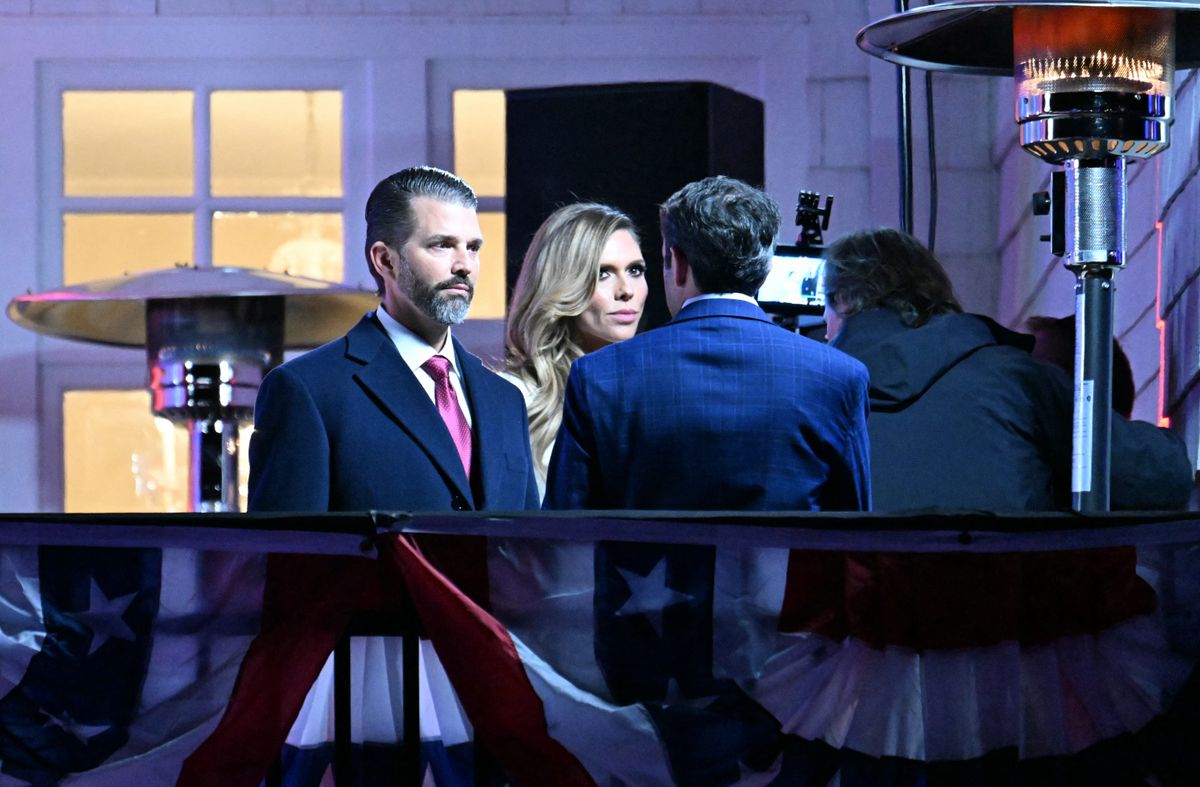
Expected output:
(71, 365)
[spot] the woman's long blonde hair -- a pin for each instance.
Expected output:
(558, 278)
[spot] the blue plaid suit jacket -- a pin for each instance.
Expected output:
(719, 409)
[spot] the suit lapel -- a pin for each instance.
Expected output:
(394, 388)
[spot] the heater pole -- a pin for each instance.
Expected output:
(1091, 454)
(1095, 235)
(904, 121)
(214, 449)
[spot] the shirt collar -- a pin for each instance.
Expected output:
(413, 349)
(706, 296)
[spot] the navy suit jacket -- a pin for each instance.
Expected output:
(719, 409)
(347, 427)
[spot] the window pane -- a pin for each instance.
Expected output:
(127, 143)
(479, 140)
(276, 143)
(118, 457)
(302, 244)
(489, 290)
(103, 245)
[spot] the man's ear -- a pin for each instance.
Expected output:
(380, 255)
(679, 266)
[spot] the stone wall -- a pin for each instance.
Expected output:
(1178, 213)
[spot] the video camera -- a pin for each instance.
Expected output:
(794, 288)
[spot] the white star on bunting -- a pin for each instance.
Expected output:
(105, 617)
(649, 594)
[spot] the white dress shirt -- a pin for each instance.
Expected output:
(415, 351)
(737, 296)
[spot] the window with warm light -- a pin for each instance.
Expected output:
(255, 180)
(204, 177)
(118, 458)
(301, 244)
(479, 141)
(279, 143)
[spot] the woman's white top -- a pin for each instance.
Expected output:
(539, 466)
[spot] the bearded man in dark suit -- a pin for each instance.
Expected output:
(357, 424)
(395, 415)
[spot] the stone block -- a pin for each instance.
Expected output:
(755, 7)
(425, 7)
(1141, 201)
(94, 7)
(1145, 400)
(849, 13)
(1178, 163)
(525, 7)
(657, 7)
(975, 277)
(845, 138)
(1042, 287)
(1005, 138)
(1020, 176)
(1183, 345)
(963, 120)
(832, 52)
(388, 7)
(1185, 422)
(1140, 341)
(200, 7)
(594, 7)
(1181, 243)
(335, 7)
(1137, 283)
(967, 210)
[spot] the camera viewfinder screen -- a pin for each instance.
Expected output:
(794, 283)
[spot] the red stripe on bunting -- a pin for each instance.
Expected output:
(308, 603)
(961, 600)
(486, 672)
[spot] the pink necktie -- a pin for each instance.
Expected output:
(438, 367)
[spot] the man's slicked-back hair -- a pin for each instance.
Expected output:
(726, 229)
(389, 208)
(884, 268)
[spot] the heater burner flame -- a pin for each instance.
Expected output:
(1093, 82)
(1100, 71)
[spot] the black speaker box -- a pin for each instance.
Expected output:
(627, 145)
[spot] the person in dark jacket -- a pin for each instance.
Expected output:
(962, 416)
(1054, 342)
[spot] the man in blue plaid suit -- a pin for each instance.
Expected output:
(719, 409)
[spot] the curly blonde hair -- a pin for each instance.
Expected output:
(556, 284)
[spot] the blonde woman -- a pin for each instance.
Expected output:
(582, 286)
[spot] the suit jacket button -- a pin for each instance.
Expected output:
(459, 503)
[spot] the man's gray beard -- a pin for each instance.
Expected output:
(439, 307)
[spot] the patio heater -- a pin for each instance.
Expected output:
(1094, 83)
(211, 335)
